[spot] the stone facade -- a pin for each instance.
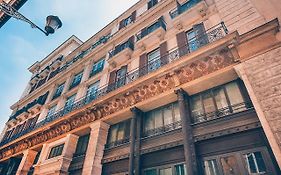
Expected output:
(221, 57)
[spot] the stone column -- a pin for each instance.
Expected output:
(265, 98)
(98, 136)
(134, 157)
(26, 162)
(188, 141)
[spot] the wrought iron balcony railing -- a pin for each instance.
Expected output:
(117, 143)
(223, 112)
(213, 34)
(146, 31)
(121, 47)
(162, 130)
(182, 8)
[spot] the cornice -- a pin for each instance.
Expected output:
(147, 87)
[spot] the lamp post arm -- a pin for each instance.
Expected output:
(11, 11)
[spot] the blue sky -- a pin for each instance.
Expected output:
(21, 46)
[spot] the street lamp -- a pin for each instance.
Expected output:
(52, 22)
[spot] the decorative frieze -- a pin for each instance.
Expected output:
(191, 71)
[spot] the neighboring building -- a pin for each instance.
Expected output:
(17, 4)
(167, 88)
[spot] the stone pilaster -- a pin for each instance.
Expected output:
(26, 162)
(58, 165)
(188, 141)
(261, 76)
(98, 136)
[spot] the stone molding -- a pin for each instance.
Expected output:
(193, 70)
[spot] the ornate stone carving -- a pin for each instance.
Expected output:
(189, 72)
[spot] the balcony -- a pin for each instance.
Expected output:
(183, 8)
(56, 63)
(117, 143)
(190, 11)
(121, 53)
(45, 72)
(34, 80)
(222, 113)
(217, 32)
(152, 34)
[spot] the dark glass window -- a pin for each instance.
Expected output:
(119, 133)
(70, 101)
(152, 3)
(176, 169)
(92, 91)
(162, 119)
(76, 80)
(82, 145)
(97, 67)
(216, 102)
(154, 61)
(121, 77)
(58, 91)
(56, 151)
(52, 111)
(255, 163)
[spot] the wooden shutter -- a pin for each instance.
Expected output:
(112, 77)
(121, 24)
(182, 43)
(134, 15)
(143, 64)
(201, 35)
(164, 53)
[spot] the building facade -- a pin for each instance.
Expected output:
(167, 88)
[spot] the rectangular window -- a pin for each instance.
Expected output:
(128, 21)
(56, 151)
(58, 91)
(119, 133)
(151, 3)
(211, 167)
(162, 119)
(192, 41)
(70, 101)
(176, 169)
(255, 163)
(82, 145)
(217, 102)
(121, 77)
(154, 61)
(52, 111)
(97, 67)
(76, 80)
(92, 91)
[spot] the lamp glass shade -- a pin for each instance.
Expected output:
(52, 23)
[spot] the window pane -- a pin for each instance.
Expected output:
(150, 172)
(166, 171)
(177, 112)
(197, 108)
(235, 97)
(255, 163)
(52, 110)
(149, 122)
(180, 169)
(211, 167)
(220, 98)
(208, 102)
(70, 100)
(168, 115)
(113, 133)
(158, 118)
(154, 61)
(56, 151)
(234, 93)
(192, 42)
(121, 131)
